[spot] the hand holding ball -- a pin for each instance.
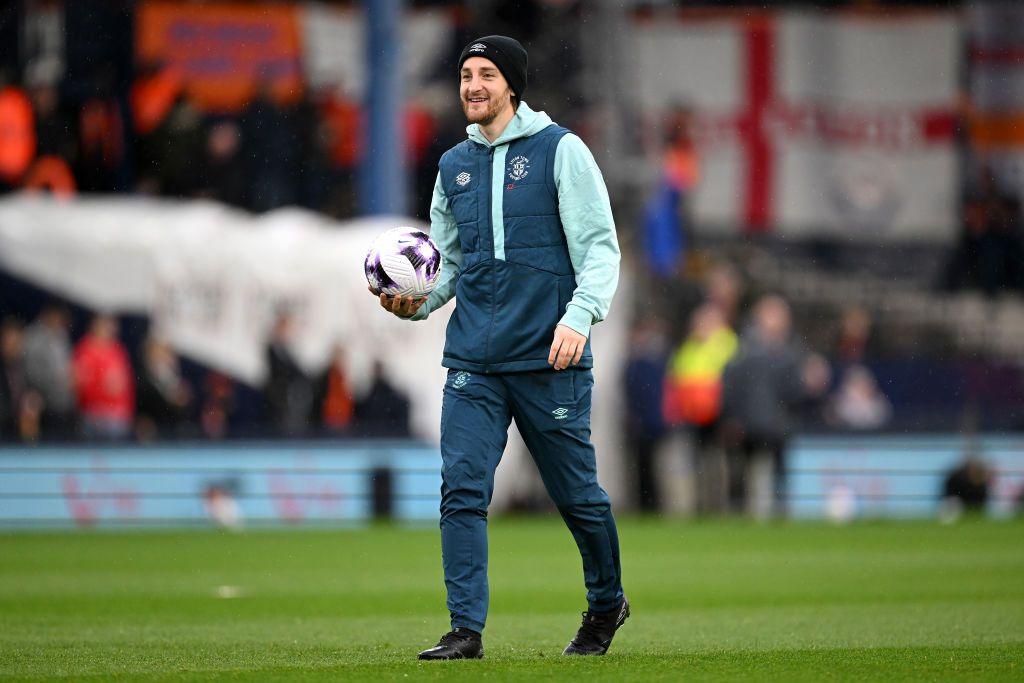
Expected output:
(402, 267)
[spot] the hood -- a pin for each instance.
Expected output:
(525, 123)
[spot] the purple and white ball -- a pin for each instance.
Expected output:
(403, 262)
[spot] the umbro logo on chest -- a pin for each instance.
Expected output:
(517, 169)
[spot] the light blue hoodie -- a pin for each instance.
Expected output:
(584, 210)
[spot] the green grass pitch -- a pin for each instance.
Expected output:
(711, 601)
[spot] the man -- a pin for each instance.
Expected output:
(693, 398)
(763, 386)
(645, 428)
(288, 391)
(103, 381)
(19, 404)
(522, 218)
(48, 371)
(163, 396)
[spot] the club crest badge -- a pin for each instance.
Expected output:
(518, 167)
(461, 379)
(462, 179)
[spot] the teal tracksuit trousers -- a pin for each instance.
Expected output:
(552, 412)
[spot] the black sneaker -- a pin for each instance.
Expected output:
(597, 631)
(460, 643)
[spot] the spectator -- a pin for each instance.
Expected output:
(164, 397)
(384, 411)
(335, 402)
(179, 149)
(449, 128)
(421, 129)
(55, 134)
(101, 130)
(48, 371)
(723, 289)
(342, 130)
(693, 399)
(666, 213)
(157, 91)
(17, 134)
(991, 248)
(103, 382)
(218, 407)
(854, 343)
(19, 404)
(50, 173)
(763, 386)
(221, 502)
(270, 144)
(153, 94)
(311, 152)
(645, 428)
(858, 403)
(288, 392)
(966, 489)
(222, 174)
(12, 379)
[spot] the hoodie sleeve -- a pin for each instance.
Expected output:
(586, 215)
(445, 233)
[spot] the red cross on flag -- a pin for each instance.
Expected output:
(813, 123)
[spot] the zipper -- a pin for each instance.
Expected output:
(490, 196)
(490, 232)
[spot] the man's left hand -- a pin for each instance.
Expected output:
(567, 348)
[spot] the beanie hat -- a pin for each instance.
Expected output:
(508, 55)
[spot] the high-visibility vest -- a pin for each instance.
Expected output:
(693, 387)
(17, 134)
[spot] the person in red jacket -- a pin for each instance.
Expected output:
(103, 382)
(17, 134)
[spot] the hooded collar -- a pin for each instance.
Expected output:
(525, 123)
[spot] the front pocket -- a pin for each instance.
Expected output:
(525, 313)
(563, 395)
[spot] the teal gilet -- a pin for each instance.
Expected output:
(508, 303)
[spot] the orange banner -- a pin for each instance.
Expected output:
(224, 51)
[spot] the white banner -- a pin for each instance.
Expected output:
(212, 278)
(811, 123)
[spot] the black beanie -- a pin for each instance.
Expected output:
(506, 53)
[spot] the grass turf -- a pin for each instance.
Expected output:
(711, 601)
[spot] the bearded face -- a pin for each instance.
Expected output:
(483, 90)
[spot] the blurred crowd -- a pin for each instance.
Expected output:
(989, 255)
(726, 366)
(739, 380)
(53, 389)
(80, 111)
(724, 380)
(269, 155)
(709, 356)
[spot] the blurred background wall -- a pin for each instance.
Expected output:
(818, 208)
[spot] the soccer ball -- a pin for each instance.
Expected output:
(403, 262)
